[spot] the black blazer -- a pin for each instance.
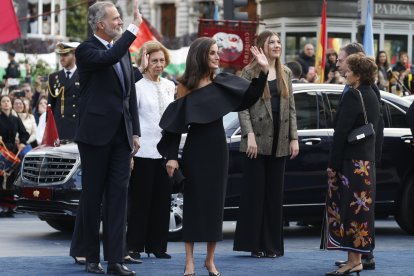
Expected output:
(350, 116)
(410, 118)
(103, 103)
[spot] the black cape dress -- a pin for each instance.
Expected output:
(205, 153)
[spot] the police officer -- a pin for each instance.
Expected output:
(12, 76)
(64, 91)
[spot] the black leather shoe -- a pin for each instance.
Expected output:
(94, 268)
(119, 269)
(79, 260)
(134, 254)
(160, 255)
(368, 264)
(130, 260)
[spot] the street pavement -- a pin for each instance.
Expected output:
(29, 246)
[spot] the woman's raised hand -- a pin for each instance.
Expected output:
(261, 58)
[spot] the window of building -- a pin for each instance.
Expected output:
(295, 43)
(168, 15)
(338, 40)
(393, 45)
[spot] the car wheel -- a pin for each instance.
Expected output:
(176, 216)
(405, 208)
(64, 225)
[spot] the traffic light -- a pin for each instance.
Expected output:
(231, 10)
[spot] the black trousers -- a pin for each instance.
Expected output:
(105, 177)
(260, 220)
(149, 206)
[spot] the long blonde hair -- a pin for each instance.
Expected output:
(253, 65)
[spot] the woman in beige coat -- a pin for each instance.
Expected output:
(269, 134)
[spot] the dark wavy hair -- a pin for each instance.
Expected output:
(386, 64)
(362, 66)
(196, 65)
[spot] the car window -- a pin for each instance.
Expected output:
(395, 117)
(331, 102)
(306, 107)
(230, 123)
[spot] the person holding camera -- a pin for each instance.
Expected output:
(64, 91)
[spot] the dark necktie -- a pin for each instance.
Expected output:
(67, 75)
(119, 69)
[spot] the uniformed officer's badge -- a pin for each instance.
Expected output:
(77, 84)
(57, 86)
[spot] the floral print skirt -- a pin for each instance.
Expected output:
(349, 214)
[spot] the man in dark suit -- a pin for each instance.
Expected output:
(107, 133)
(64, 91)
(410, 118)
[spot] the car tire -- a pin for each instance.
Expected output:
(405, 207)
(176, 217)
(63, 225)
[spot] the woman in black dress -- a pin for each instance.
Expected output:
(9, 126)
(351, 170)
(203, 101)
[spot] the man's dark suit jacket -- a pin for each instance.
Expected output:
(64, 96)
(103, 103)
(410, 118)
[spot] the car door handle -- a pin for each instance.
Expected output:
(311, 141)
(407, 139)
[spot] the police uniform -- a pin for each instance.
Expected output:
(64, 96)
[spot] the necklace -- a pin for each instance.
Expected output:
(160, 99)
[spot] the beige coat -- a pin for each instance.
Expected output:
(258, 119)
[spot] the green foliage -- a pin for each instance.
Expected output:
(41, 68)
(77, 20)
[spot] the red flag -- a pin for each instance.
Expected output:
(51, 136)
(144, 34)
(320, 58)
(9, 25)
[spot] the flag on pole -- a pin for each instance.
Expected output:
(368, 33)
(144, 34)
(320, 57)
(9, 25)
(51, 136)
(216, 13)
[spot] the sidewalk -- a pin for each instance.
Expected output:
(229, 264)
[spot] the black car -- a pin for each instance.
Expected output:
(50, 186)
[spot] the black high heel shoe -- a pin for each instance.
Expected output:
(189, 274)
(79, 261)
(346, 272)
(210, 273)
(256, 254)
(160, 255)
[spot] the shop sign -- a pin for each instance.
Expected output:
(394, 11)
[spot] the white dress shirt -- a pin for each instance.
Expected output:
(153, 98)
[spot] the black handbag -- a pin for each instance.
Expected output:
(364, 131)
(177, 180)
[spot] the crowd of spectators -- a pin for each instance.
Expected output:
(397, 79)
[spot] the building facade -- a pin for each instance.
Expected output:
(298, 22)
